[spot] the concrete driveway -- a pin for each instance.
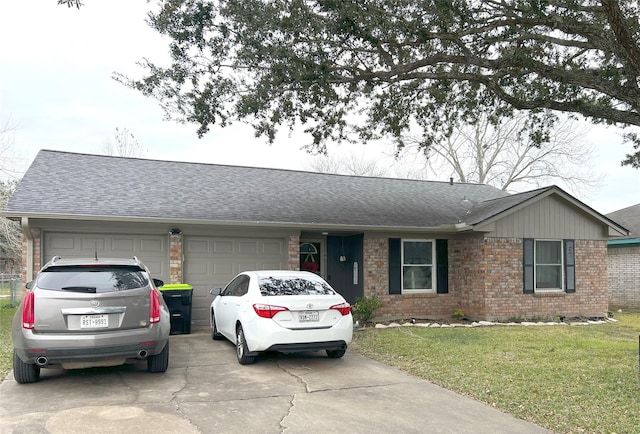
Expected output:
(206, 391)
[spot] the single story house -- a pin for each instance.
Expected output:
(624, 261)
(427, 249)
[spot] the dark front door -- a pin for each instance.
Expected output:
(344, 265)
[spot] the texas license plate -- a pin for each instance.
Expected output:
(94, 321)
(308, 316)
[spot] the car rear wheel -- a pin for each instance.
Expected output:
(159, 362)
(241, 348)
(24, 372)
(215, 334)
(336, 354)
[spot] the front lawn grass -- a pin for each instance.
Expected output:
(568, 378)
(6, 347)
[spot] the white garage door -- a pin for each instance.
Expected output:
(150, 249)
(211, 262)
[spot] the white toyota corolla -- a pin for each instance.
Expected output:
(283, 311)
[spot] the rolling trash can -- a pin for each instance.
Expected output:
(178, 297)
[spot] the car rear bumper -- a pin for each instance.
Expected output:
(265, 335)
(54, 349)
(309, 346)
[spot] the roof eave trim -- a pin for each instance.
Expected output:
(233, 223)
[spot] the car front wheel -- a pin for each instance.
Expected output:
(24, 372)
(159, 362)
(241, 348)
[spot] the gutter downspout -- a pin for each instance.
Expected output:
(26, 230)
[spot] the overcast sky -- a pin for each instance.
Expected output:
(56, 88)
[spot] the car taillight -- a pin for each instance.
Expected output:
(154, 307)
(28, 315)
(343, 308)
(267, 310)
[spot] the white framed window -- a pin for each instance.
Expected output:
(418, 260)
(548, 265)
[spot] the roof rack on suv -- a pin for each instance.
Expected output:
(55, 259)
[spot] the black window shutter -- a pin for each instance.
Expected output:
(395, 267)
(569, 266)
(442, 267)
(527, 263)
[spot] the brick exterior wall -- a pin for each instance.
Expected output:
(624, 277)
(375, 280)
(36, 234)
(293, 250)
(504, 296)
(485, 282)
(397, 306)
(467, 278)
(175, 258)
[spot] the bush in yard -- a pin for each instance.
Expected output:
(364, 308)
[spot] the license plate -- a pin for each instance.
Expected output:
(94, 321)
(308, 316)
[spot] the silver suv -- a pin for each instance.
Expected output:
(81, 313)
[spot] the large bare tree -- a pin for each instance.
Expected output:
(348, 164)
(123, 144)
(10, 168)
(503, 155)
(10, 234)
(11, 165)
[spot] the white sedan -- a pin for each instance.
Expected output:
(283, 311)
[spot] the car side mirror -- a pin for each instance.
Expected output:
(29, 284)
(158, 283)
(216, 292)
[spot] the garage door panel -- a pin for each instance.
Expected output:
(248, 248)
(196, 247)
(124, 245)
(199, 269)
(151, 245)
(224, 268)
(224, 258)
(156, 268)
(222, 247)
(92, 244)
(150, 249)
(272, 248)
(64, 243)
(271, 266)
(246, 266)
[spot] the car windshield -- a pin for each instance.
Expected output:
(92, 278)
(293, 286)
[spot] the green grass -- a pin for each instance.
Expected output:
(570, 379)
(6, 347)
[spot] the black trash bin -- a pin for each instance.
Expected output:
(178, 297)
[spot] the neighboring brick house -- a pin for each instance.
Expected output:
(425, 248)
(624, 261)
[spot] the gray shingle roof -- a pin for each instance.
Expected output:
(70, 184)
(629, 218)
(493, 207)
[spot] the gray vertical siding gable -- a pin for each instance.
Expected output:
(550, 217)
